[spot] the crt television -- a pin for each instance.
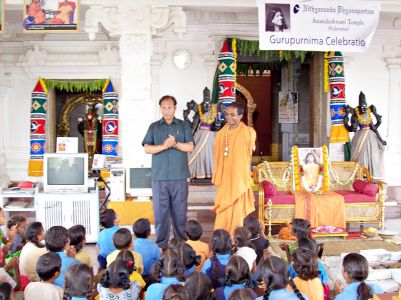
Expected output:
(65, 172)
(139, 182)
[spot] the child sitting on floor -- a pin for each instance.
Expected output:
(77, 235)
(258, 239)
(237, 277)
(221, 248)
(115, 283)
(274, 273)
(149, 250)
(193, 231)
(57, 241)
(199, 286)
(307, 280)
(128, 257)
(122, 240)
(355, 271)
(78, 282)
(48, 269)
(242, 244)
(166, 271)
(188, 257)
(17, 223)
(33, 249)
(109, 220)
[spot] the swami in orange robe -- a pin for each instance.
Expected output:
(232, 176)
(36, 11)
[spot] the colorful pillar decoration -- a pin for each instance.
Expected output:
(338, 132)
(225, 78)
(38, 129)
(110, 121)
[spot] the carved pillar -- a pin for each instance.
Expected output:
(393, 138)
(135, 24)
(5, 85)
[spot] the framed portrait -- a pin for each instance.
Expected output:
(277, 17)
(310, 164)
(2, 15)
(51, 15)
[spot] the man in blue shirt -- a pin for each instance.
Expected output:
(169, 140)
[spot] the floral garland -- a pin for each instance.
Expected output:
(326, 182)
(202, 116)
(361, 119)
(295, 162)
(349, 179)
(286, 176)
(234, 48)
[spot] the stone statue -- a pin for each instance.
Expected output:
(204, 127)
(367, 144)
(89, 127)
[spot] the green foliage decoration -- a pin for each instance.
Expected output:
(95, 85)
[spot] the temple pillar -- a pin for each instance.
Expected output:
(135, 24)
(5, 85)
(393, 135)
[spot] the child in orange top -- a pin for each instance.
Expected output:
(307, 280)
(194, 232)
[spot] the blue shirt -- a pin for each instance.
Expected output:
(170, 164)
(156, 290)
(282, 294)
(66, 262)
(222, 258)
(228, 290)
(324, 278)
(351, 291)
(149, 251)
(105, 241)
(16, 243)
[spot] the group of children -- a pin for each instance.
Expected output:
(236, 267)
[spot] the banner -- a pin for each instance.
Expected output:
(110, 121)
(317, 25)
(51, 15)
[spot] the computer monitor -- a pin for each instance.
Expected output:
(139, 182)
(65, 172)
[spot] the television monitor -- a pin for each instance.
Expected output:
(139, 182)
(65, 172)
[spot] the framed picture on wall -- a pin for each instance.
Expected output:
(51, 15)
(2, 15)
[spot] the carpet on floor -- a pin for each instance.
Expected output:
(334, 247)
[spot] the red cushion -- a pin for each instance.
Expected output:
(367, 188)
(355, 197)
(269, 188)
(281, 198)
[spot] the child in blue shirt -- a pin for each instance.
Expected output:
(109, 220)
(355, 272)
(57, 241)
(274, 273)
(166, 271)
(237, 277)
(188, 257)
(149, 250)
(214, 267)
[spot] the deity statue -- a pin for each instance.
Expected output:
(367, 144)
(204, 127)
(89, 127)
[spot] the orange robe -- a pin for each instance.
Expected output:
(232, 177)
